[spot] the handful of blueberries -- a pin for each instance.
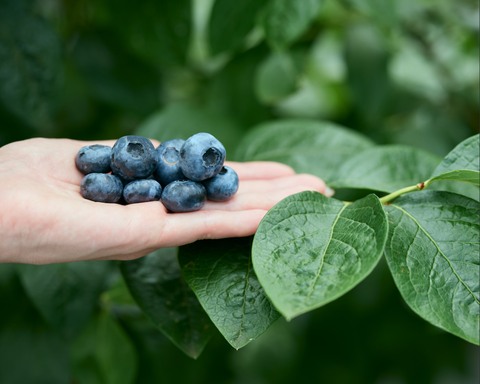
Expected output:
(184, 174)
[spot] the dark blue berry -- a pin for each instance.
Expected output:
(184, 196)
(168, 167)
(222, 186)
(93, 159)
(101, 187)
(133, 157)
(202, 157)
(141, 191)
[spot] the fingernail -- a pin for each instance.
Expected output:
(329, 192)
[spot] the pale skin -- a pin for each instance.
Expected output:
(44, 219)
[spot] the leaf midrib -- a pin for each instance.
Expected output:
(440, 251)
(324, 253)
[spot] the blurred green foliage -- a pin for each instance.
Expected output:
(400, 72)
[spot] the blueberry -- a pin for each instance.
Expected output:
(101, 187)
(168, 168)
(140, 191)
(202, 157)
(133, 157)
(93, 159)
(222, 186)
(184, 196)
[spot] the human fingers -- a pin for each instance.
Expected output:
(184, 228)
(247, 201)
(260, 170)
(250, 186)
(237, 217)
(148, 232)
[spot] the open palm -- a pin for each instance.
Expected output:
(44, 219)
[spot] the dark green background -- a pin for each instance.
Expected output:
(403, 72)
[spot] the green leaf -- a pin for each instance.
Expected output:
(308, 146)
(220, 273)
(385, 168)
(459, 175)
(432, 251)
(230, 22)
(310, 249)
(65, 293)
(461, 164)
(180, 121)
(284, 21)
(103, 354)
(157, 284)
(276, 77)
(30, 64)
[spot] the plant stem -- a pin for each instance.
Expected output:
(392, 196)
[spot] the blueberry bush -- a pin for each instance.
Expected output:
(379, 99)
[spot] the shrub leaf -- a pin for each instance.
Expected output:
(221, 274)
(310, 249)
(432, 251)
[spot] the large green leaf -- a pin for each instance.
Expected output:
(308, 146)
(310, 249)
(461, 164)
(65, 293)
(103, 354)
(283, 21)
(30, 63)
(385, 168)
(180, 121)
(433, 253)
(231, 21)
(157, 284)
(221, 274)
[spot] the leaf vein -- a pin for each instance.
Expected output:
(440, 251)
(323, 257)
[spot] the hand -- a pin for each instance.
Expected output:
(44, 219)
